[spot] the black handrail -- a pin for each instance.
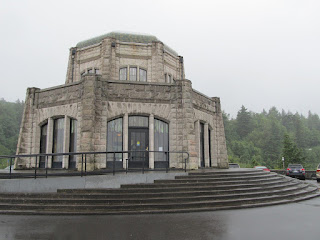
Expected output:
(83, 169)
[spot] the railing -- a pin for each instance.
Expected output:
(43, 172)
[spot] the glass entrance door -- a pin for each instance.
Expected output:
(138, 141)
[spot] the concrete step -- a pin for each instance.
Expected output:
(197, 192)
(151, 199)
(202, 182)
(134, 207)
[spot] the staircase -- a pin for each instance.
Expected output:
(198, 191)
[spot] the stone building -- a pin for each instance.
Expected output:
(123, 92)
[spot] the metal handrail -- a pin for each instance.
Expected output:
(84, 160)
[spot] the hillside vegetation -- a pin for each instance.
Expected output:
(264, 138)
(252, 138)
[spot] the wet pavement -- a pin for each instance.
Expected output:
(289, 221)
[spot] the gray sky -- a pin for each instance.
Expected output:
(256, 53)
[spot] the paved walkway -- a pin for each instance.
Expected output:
(290, 221)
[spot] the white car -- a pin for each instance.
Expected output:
(318, 173)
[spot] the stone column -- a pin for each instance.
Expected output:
(206, 145)
(49, 141)
(213, 163)
(88, 119)
(151, 141)
(65, 161)
(125, 133)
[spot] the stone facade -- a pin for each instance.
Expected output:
(93, 94)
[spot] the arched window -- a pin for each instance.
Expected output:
(43, 145)
(73, 143)
(58, 141)
(161, 143)
(114, 140)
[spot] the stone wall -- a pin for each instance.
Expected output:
(94, 101)
(151, 57)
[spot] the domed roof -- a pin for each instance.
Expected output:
(124, 37)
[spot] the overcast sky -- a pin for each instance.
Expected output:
(256, 53)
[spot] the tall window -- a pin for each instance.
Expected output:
(133, 74)
(73, 143)
(143, 75)
(169, 78)
(123, 73)
(161, 142)
(202, 145)
(114, 138)
(209, 136)
(43, 145)
(58, 141)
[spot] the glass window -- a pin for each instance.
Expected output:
(58, 141)
(123, 74)
(143, 75)
(96, 71)
(43, 145)
(169, 78)
(114, 139)
(165, 77)
(73, 143)
(90, 70)
(133, 74)
(202, 145)
(138, 121)
(161, 140)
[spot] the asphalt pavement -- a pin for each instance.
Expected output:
(289, 221)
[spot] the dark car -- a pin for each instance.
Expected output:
(234, 165)
(297, 171)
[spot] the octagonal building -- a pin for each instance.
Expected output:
(123, 92)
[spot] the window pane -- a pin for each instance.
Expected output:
(90, 70)
(73, 143)
(96, 71)
(165, 77)
(43, 145)
(114, 139)
(58, 141)
(138, 121)
(169, 78)
(133, 74)
(123, 74)
(161, 139)
(143, 75)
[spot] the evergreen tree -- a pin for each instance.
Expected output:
(290, 152)
(244, 122)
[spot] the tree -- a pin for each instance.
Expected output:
(290, 152)
(244, 122)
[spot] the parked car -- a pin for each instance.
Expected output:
(318, 173)
(263, 168)
(234, 165)
(297, 171)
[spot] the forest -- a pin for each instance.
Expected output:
(267, 137)
(252, 138)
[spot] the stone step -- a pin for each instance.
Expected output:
(155, 211)
(132, 195)
(248, 175)
(177, 188)
(226, 172)
(151, 199)
(234, 174)
(215, 179)
(136, 207)
(196, 182)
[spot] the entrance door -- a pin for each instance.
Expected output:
(138, 141)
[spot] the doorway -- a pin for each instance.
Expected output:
(138, 141)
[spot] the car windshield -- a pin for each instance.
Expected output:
(295, 166)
